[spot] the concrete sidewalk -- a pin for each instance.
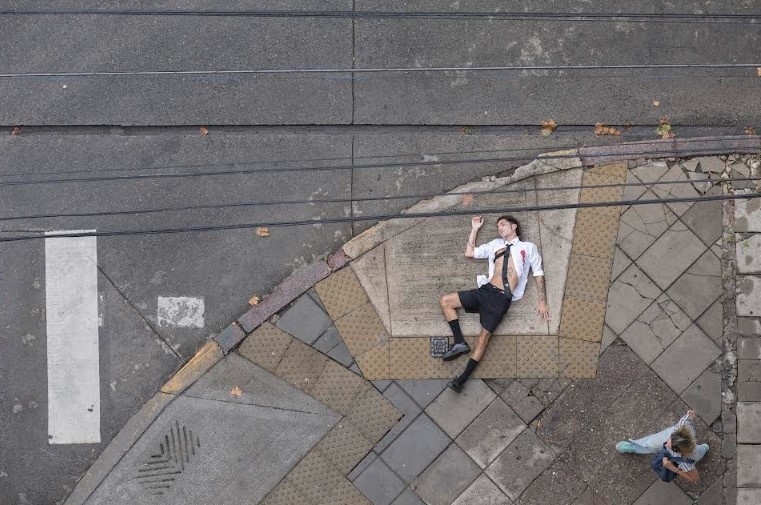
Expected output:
(326, 392)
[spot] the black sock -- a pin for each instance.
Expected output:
(456, 331)
(472, 364)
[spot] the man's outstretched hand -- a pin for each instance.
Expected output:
(477, 222)
(542, 310)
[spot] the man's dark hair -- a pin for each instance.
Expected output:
(511, 219)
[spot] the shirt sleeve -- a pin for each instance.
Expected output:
(483, 251)
(536, 262)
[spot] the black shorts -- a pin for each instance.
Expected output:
(490, 303)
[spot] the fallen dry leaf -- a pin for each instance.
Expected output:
(236, 391)
(263, 231)
(750, 131)
(656, 103)
(467, 200)
(601, 129)
(664, 129)
(758, 71)
(548, 127)
(15, 130)
(204, 131)
(254, 300)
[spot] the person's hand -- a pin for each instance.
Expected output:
(543, 311)
(477, 222)
(691, 414)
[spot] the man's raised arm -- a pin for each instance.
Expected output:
(475, 224)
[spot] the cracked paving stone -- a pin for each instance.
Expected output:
(656, 328)
(641, 225)
(699, 286)
(628, 297)
(671, 255)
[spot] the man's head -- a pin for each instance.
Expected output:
(508, 227)
(682, 441)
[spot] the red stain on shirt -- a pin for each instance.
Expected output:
(523, 255)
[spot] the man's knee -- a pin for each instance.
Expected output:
(448, 301)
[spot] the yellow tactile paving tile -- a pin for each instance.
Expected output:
(578, 358)
(341, 293)
(315, 477)
(301, 366)
(612, 191)
(500, 359)
(375, 363)
(362, 330)
(588, 277)
(595, 231)
(582, 318)
(411, 359)
(337, 387)
(372, 414)
(344, 446)
(265, 346)
(537, 356)
(613, 169)
(285, 494)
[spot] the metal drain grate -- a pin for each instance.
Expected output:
(439, 345)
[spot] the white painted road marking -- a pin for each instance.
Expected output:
(71, 283)
(180, 312)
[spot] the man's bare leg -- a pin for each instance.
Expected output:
(449, 305)
(483, 341)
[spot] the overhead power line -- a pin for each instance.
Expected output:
(378, 217)
(286, 71)
(421, 155)
(241, 171)
(633, 17)
(186, 208)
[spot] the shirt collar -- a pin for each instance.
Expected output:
(513, 241)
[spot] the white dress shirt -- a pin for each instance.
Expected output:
(525, 256)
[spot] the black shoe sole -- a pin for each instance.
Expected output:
(457, 388)
(454, 356)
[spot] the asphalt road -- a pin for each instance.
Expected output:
(107, 127)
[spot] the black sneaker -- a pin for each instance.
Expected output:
(454, 386)
(455, 351)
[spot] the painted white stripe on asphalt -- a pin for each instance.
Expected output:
(71, 283)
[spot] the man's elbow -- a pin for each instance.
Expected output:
(469, 255)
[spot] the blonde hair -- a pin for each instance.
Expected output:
(682, 440)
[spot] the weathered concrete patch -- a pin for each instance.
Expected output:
(180, 312)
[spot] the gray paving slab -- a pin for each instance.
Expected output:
(406, 406)
(748, 465)
(304, 320)
(749, 391)
(584, 403)
(663, 493)
(749, 348)
(608, 337)
(656, 328)
(749, 422)
(477, 98)
(423, 391)
(749, 370)
(328, 340)
(518, 465)
(671, 255)
(704, 396)
(641, 225)
(415, 448)
(408, 498)
(749, 325)
(493, 430)
(697, 288)
(483, 492)
(679, 189)
(748, 215)
(686, 358)
(382, 384)
(379, 484)
(225, 439)
(748, 295)
(746, 250)
(620, 263)
(711, 322)
(704, 219)
(557, 485)
(522, 401)
(448, 476)
(341, 354)
(257, 386)
(589, 497)
(163, 43)
(362, 465)
(454, 411)
(628, 297)
(714, 494)
(748, 496)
